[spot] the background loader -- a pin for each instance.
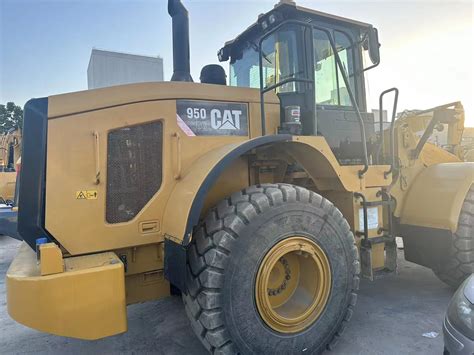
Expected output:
(262, 202)
(10, 153)
(468, 144)
(10, 164)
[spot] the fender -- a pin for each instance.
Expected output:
(187, 199)
(185, 204)
(188, 196)
(436, 197)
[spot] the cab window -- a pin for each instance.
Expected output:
(244, 71)
(330, 87)
(280, 61)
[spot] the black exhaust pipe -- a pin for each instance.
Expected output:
(181, 63)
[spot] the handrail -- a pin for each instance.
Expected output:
(177, 174)
(97, 157)
(392, 127)
(286, 81)
(387, 197)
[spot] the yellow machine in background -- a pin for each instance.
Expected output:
(10, 152)
(468, 144)
(469, 156)
(262, 202)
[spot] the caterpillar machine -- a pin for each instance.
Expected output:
(262, 200)
(10, 152)
(468, 144)
(10, 163)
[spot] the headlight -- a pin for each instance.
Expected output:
(461, 313)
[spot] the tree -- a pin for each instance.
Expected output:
(11, 117)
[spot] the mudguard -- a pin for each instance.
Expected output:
(436, 197)
(185, 204)
(187, 198)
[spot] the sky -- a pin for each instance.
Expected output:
(45, 45)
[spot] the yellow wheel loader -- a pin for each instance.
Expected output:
(469, 156)
(10, 163)
(468, 144)
(262, 201)
(10, 152)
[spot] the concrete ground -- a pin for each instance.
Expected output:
(390, 318)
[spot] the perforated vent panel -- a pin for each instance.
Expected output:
(134, 169)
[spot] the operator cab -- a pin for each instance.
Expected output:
(314, 62)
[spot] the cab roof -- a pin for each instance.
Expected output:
(287, 9)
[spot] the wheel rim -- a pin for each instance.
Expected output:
(292, 285)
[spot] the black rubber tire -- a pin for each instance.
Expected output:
(223, 260)
(460, 263)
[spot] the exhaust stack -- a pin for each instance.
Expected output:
(181, 57)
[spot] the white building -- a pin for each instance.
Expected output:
(108, 68)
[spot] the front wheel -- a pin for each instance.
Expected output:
(272, 269)
(460, 261)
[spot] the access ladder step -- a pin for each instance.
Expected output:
(377, 203)
(390, 265)
(378, 240)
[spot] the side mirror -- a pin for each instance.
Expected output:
(374, 45)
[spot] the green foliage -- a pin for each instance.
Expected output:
(11, 117)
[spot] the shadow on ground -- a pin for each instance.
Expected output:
(390, 318)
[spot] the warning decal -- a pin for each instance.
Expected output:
(212, 118)
(86, 195)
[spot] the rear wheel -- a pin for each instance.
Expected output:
(272, 269)
(460, 262)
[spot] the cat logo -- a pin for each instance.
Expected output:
(228, 119)
(212, 118)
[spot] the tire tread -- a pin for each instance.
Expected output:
(460, 262)
(212, 246)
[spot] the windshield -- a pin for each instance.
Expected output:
(280, 61)
(282, 58)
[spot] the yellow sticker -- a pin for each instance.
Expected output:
(86, 195)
